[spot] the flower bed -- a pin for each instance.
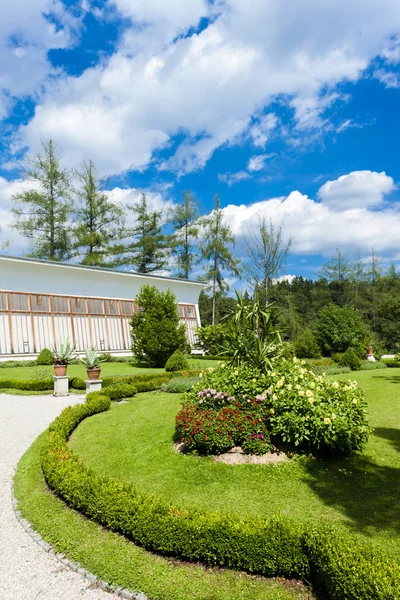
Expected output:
(292, 405)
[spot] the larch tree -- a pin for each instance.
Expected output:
(42, 211)
(99, 220)
(149, 248)
(184, 220)
(217, 238)
(266, 254)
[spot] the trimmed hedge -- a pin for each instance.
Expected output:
(31, 385)
(341, 567)
(176, 362)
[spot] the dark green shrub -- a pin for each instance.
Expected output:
(306, 346)
(45, 357)
(120, 391)
(337, 357)
(367, 365)
(350, 359)
(338, 328)
(212, 339)
(77, 383)
(392, 363)
(177, 362)
(156, 330)
(32, 385)
(338, 565)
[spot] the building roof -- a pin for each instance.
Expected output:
(53, 263)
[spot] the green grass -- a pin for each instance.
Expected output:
(132, 443)
(107, 370)
(121, 563)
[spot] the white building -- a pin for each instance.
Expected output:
(44, 302)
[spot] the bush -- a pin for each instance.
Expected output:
(30, 385)
(306, 346)
(329, 370)
(340, 566)
(366, 365)
(212, 339)
(120, 391)
(320, 362)
(308, 411)
(177, 362)
(392, 363)
(350, 359)
(156, 330)
(45, 357)
(179, 385)
(77, 383)
(338, 328)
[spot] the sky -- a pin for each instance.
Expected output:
(287, 110)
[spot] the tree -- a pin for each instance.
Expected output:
(149, 250)
(4, 245)
(186, 230)
(223, 306)
(99, 220)
(267, 254)
(214, 250)
(339, 328)
(306, 346)
(338, 271)
(156, 330)
(41, 213)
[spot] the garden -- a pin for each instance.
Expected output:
(141, 499)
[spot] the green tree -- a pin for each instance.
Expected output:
(215, 252)
(223, 306)
(186, 230)
(339, 272)
(388, 322)
(266, 255)
(41, 213)
(339, 328)
(149, 249)
(99, 220)
(306, 346)
(155, 329)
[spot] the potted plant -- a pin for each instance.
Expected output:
(92, 361)
(62, 356)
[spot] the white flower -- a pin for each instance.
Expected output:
(236, 373)
(333, 416)
(327, 420)
(355, 401)
(289, 386)
(275, 397)
(335, 385)
(301, 393)
(309, 393)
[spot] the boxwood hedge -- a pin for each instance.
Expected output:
(341, 567)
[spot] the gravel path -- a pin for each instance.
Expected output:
(27, 571)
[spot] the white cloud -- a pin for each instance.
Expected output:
(208, 86)
(359, 189)
(388, 78)
(231, 178)
(28, 30)
(256, 163)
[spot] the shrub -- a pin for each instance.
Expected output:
(212, 339)
(306, 346)
(177, 362)
(30, 385)
(179, 385)
(338, 328)
(45, 357)
(338, 565)
(350, 359)
(308, 411)
(77, 383)
(392, 363)
(120, 391)
(156, 330)
(320, 362)
(329, 370)
(366, 365)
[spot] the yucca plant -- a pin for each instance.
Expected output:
(91, 360)
(64, 353)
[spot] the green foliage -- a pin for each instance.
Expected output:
(392, 363)
(77, 383)
(306, 346)
(221, 304)
(91, 359)
(339, 565)
(212, 340)
(179, 385)
(335, 370)
(45, 357)
(338, 328)
(41, 213)
(367, 365)
(184, 220)
(251, 337)
(177, 362)
(39, 385)
(309, 412)
(155, 329)
(64, 353)
(350, 359)
(387, 322)
(120, 391)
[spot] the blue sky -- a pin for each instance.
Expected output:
(288, 110)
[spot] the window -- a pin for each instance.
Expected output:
(39, 300)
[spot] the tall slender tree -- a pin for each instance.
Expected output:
(149, 248)
(99, 221)
(41, 212)
(266, 255)
(215, 251)
(184, 220)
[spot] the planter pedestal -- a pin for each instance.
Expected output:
(93, 385)
(61, 386)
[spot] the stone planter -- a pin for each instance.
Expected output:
(60, 370)
(93, 373)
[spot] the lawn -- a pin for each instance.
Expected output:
(122, 564)
(132, 442)
(107, 369)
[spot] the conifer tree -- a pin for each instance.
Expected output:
(186, 230)
(149, 248)
(42, 211)
(99, 220)
(215, 251)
